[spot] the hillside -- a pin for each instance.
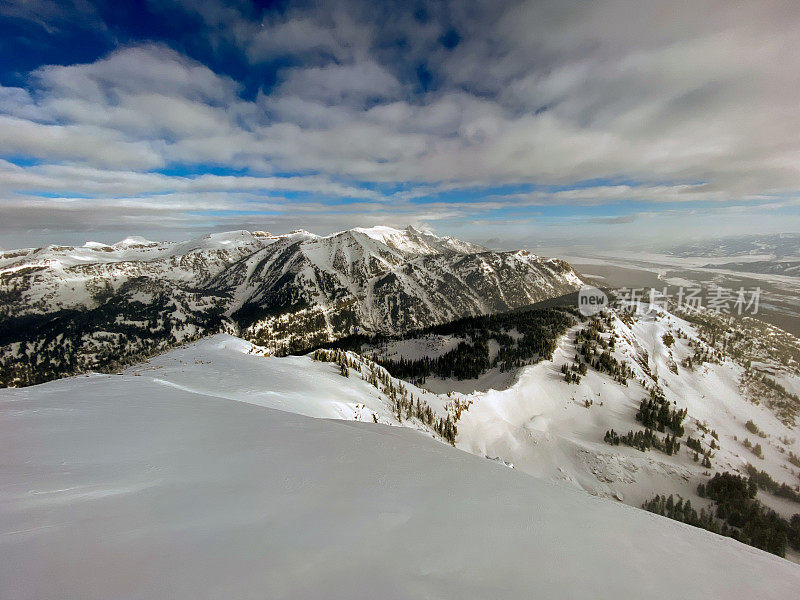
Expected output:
(541, 424)
(732, 384)
(157, 483)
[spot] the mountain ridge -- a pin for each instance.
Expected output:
(66, 309)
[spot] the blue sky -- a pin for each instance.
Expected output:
(512, 123)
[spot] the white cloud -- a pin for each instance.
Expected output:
(351, 84)
(97, 146)
(133, 70)
(697, 105)
(110, 183)
(298, 36)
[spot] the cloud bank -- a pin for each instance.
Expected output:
(548, 113)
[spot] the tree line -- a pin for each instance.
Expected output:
(404, 405)
(735, 513)
(536, 337)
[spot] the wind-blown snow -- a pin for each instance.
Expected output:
(124, 487)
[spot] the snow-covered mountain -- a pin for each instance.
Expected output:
(179, 479)
(735, 383)
(306, 289)
(45, 280)
(65, 309)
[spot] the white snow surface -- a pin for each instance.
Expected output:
(224, 366)
(131, 249)
(414, 241)
(542, 424)
(134, 240)
(158, 483)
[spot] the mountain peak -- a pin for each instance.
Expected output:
(412, 240)
(99, 245)
(378, 231)
(134, 240)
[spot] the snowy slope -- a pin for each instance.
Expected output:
(124, 486)
(549, 428)
(540, 423)
(543, 426)
(130, 249)
(241, 371)
(411, 240)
